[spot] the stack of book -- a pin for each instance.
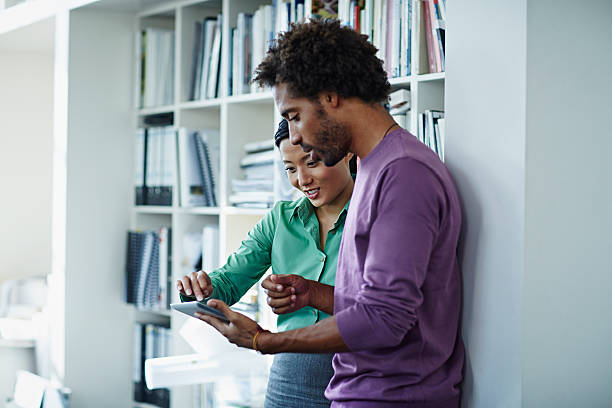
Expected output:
(432, 131)
(434, 23)
(155, 160)
(256, 190)
(206, 59)
(150, 341)
(399, 106)
(254, 33)
(156, 67)
(388, 25)
(148, 269)
(198, 152)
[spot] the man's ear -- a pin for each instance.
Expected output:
(330, 99)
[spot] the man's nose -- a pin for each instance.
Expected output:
(294, 137)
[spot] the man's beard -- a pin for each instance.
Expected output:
(333, 140)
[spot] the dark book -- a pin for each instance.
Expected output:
(134, 259)
(196, 63)
(208, 183)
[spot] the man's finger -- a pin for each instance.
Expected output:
(275, 294)
(282, 310)
(223, 308)
(286, 280)
(281, 302)
(269, 284)
(213, 321)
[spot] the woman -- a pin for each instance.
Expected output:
(302, 238)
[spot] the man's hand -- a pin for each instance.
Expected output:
(287, 293)
(196, 284)
(240, 331)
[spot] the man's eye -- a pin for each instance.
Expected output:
(293, 118)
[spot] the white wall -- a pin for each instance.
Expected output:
(485, 105)
(26, 135)
(528, 98)
(567, 329)
(98, 327)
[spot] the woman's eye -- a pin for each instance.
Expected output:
(290, 169)
(312, 163)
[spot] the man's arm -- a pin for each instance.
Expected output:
(323, 337)
(322, 297)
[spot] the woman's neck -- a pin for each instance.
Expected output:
(333, 209)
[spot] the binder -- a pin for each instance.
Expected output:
(206, 175)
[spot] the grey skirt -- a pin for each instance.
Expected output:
(299, 381)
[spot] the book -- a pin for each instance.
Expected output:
(262, 145)
(157, 67)
(198, 152)
(206, 172)
(215, 59)
(429, 35)
(258, 158)
(139, 167)
(196, 64)
(259, 171)
(208, 33)
(148, 269)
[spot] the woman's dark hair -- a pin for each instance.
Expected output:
(320, 56)
(282, 132)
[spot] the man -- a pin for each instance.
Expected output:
(397, 299)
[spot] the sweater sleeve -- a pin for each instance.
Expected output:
(403, 233)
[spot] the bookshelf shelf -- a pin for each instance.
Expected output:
(145, 314)
(437, 76)
(265, 96)
(210, 103)
(153, 209)
(17, 343)
(156, 110)
(400, 81)
(200, 210)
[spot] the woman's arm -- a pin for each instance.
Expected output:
(245, 266)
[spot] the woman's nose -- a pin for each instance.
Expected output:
(304, 178)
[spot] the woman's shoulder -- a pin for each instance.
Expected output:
(286, 209)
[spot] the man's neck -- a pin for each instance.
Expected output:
(368, 124)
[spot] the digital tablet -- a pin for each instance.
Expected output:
(190, 308)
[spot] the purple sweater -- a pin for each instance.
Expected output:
(398, 285)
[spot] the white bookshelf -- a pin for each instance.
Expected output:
(94, 127)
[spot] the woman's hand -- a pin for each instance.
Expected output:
(287, 293)
(240, 330)
(196, 284)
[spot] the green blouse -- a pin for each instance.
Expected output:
(286, 239)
